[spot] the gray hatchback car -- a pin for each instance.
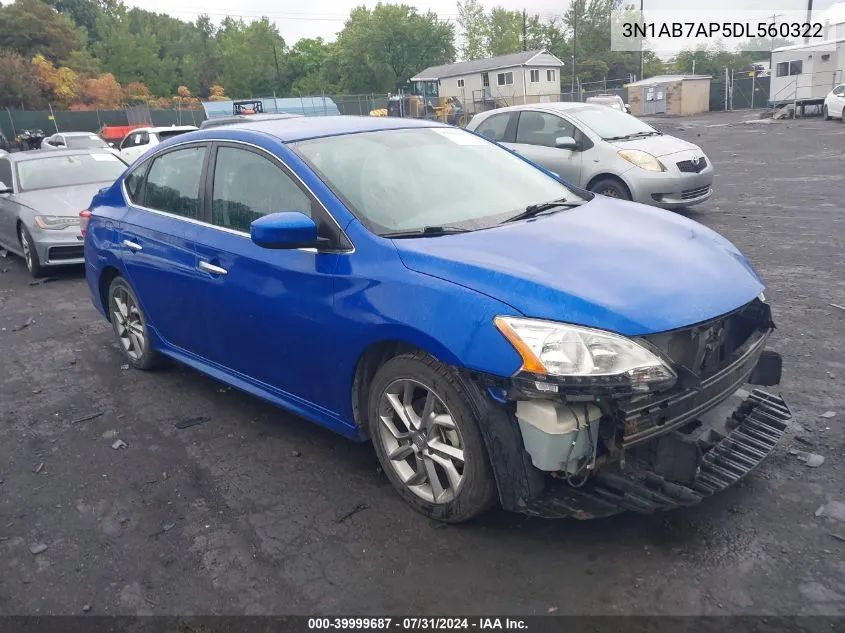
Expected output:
(604, 150)
(41, 197)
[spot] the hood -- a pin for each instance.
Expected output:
(612, 265)
(663, 145)
(67, 201)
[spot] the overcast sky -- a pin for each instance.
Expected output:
(324, 18)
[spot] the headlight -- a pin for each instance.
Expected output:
(642, 159)
(56, 222)
(584, 356)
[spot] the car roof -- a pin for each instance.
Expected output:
(554, 106)
(301, 128)
(245, 118)
(165, 128)
(78, 134)
(35, 154)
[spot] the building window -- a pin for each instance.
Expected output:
(505, 79)
(485, 80)
(786, 69)
(460, 83)
(535, 76)
(550, 75)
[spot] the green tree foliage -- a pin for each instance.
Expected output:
(474, 26)
(251, 57)
(19, 83)
(30, 27)
(504, 33)
(379, 50)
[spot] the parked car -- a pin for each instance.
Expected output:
(141, 139)
(41, 194)
(834, 104)
(499, 335)
(74, 140)
(611, 101)
(607, 152)
(246, 118)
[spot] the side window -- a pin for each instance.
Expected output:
(840, 91)
(796, 67)
(133, 182)
(58, 141)
(782, 69)
(5, 172)
(494, 127)
(535, 75)
(248, 186)
(542, 128)
(173, 182)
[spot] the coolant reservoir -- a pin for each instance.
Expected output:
(556, 435)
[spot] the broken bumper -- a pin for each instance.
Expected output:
(745, 429)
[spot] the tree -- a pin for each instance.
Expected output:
(474, 29)
(18, 83)
(217, 93)
(251, 57)
(136, 92)
(30, 27)
(379, 50)
(59, 85)
(504, 32)
(306, 63)
(102, 92)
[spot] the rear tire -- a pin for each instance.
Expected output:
(30, 255)
(427, 439)
(842, 118)
(612, 188)
(130, 325)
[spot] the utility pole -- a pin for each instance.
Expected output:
(524, 30)
(642, 62)
(278, 74)
(809, 17)
(775, 17)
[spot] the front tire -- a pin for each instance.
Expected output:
(30, 254)
(130, 325)
(825, 114)
(611, 188)
(427, 439)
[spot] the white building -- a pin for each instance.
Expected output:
(526, 77)
(805, 73)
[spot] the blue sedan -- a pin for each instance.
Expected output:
(498, 335)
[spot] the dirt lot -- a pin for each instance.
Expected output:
(256, 511)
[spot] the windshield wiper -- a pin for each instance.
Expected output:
(533, 210)
(428, 231)
(634, 135)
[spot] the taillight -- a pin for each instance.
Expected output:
(84, 216)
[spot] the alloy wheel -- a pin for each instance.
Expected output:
(609, 192)
(128, 323)
(421, 440)
(27, 251)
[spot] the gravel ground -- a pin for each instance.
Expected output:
(255, 511)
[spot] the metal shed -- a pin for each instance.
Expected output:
(304, 106)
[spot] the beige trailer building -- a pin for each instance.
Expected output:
(681, 95)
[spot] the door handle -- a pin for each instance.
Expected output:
(132, 246)
(211, 268)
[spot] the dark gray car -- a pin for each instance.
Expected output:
(41, 195)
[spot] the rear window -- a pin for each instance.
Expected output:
(65, 171)
(169, 133)
(85, 142)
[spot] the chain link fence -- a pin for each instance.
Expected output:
(12, 122)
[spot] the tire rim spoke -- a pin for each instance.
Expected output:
(421, 440)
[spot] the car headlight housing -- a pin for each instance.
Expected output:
(581, 356)
(56, 222)
(642, 159)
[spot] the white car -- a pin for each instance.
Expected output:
(138, 141)
(611, 101)
(834, 104)
(74, 140)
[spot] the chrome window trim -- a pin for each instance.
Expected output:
(224, 229)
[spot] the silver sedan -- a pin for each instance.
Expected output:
(41, 195)
(606, 151)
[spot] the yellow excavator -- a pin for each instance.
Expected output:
(423, 101)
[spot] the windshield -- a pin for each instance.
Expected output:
(406, 180)
(85, 142)
(611, 124)
(66, 171)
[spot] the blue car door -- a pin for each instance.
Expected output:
(157, 242)
(269, 311)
